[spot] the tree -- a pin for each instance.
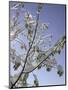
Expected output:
(34, 54)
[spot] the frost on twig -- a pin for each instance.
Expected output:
(22, 81)
(47, 58)
(31, 42)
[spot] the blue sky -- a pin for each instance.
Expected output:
(55, 16)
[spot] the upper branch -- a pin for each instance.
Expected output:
(28, 50)
(52, 51)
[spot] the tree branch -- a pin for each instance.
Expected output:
(61, 42)
(27, 51)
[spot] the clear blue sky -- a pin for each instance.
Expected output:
(55, 16)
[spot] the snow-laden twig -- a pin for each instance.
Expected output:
(50, 52)
(27, 52)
